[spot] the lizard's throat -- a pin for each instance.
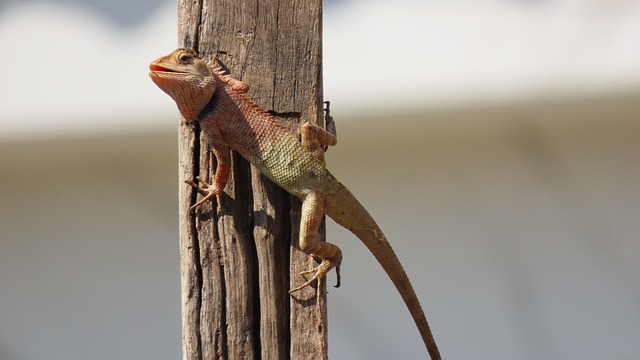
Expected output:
(194, 100)
(190, 98)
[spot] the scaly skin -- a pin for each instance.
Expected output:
(230, 120)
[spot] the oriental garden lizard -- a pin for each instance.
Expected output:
(230, 120)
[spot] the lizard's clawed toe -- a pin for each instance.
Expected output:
(320, 272)
(206, 189)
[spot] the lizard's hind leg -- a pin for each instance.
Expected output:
(330, 254)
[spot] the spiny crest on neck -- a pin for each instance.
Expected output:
(238, 88)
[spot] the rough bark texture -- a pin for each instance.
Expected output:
(236, 256)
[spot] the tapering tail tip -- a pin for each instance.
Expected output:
(433, 350)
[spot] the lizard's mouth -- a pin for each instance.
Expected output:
(158, 68)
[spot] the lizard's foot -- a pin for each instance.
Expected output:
(320, 272)
(196, 186)
(329, 123)
(208, 190)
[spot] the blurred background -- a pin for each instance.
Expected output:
(496, 142)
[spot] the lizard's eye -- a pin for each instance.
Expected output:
(183, 58)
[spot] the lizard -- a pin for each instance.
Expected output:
(230, 120)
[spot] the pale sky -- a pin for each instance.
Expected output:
(71, 71)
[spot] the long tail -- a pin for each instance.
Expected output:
(346, 210)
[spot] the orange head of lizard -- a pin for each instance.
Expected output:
(186, 78)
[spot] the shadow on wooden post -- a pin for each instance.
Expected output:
(236, 258)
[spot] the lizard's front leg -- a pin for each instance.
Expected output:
(221, 177)
(329, 123)
(314, 138)
(329, 254)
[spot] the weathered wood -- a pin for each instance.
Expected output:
(236, 256)
(190, 272)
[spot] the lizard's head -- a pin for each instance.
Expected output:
(186, 78)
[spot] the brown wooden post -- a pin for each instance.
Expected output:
(236, 257)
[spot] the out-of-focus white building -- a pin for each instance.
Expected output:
(497, 143)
